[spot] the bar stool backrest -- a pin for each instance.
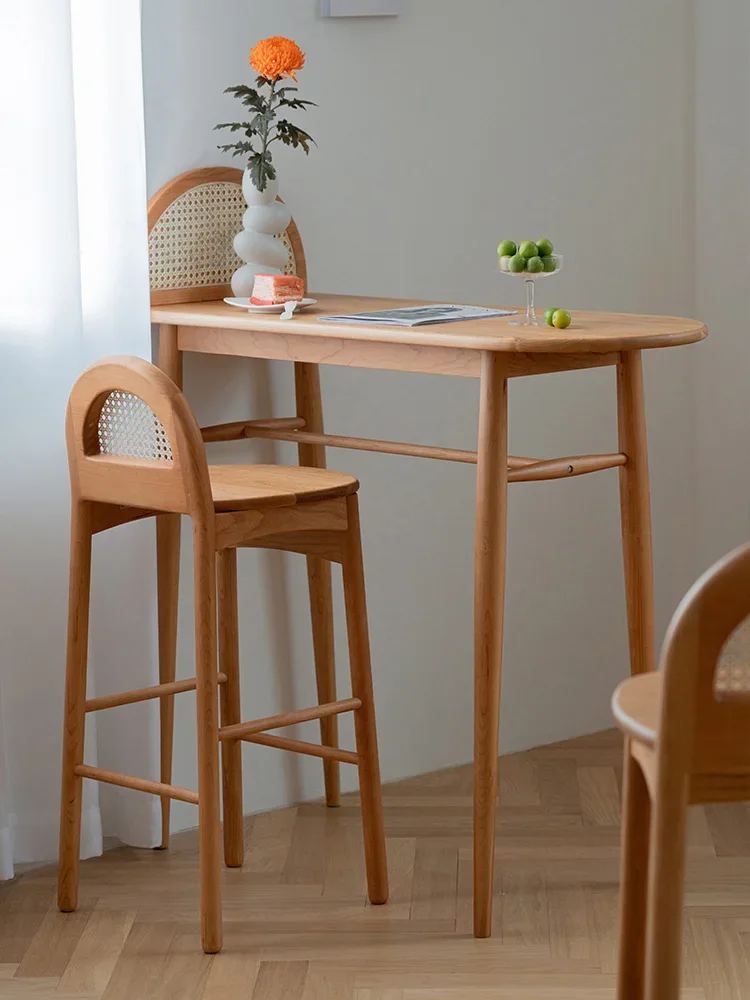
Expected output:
(706, 660)
(192, 222)
(134, 441)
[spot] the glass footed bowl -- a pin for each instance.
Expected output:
(530, 277)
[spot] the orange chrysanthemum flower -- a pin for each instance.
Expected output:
(277, 57)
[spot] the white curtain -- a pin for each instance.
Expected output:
(73, 287)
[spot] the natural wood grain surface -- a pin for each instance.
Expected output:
(329, 348)
(229, 662)
(311, 455)
(242, 487)
(489, 610)
(636, 705)
(168, 529)
(296, 918)
(590, 331)
(635, 513)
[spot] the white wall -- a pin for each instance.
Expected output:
(722, 268)
(440, 132)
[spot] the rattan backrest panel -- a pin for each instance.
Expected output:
(127, 426)
(191, 243)
(732, 678)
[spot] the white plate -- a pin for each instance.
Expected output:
(246, 304)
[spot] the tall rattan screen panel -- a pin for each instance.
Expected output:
(192, 223)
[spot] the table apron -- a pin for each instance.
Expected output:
(347, 353)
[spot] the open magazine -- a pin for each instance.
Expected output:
(419, 315)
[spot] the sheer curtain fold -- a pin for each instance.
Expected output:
(73, 287)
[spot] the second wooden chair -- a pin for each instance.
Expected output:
(687, 732)
(135, 450)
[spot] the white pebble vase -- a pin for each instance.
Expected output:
(265, 218)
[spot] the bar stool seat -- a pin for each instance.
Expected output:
(636, 706)
(245, 487)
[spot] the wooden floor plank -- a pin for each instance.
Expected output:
(141, 961)
(558, 785)
(268, 844)
(280, 981)
(186, 970)
(525, 916)
(435, 879)
(53, 944)
(306, 861)
(23, 906)
(96, 954)
(518, 782)
(600, 796)
(570, 934)
(232, 975)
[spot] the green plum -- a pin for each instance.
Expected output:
(528, 249)
(548, 314)
(516, 264)
(545, 247)
(550, 262)
(507, 249)
(534, 265)
(561, 319)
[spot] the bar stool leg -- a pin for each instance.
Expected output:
(635, 511)
(231, 750)
(167, 574)
(666, 888)
(310, 406)
(75, 704)
(364, 717)
(209, 826)
(168, 577)
(636, 824)
(489, 607)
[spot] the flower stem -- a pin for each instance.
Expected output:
(267, 132)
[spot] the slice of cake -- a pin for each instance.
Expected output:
(276, 289)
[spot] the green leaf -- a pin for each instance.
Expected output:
(249, 97)
(261, 169)
(293, 135)
(238, 148)
(296, 103)
(249, 127)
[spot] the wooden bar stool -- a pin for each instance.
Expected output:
(687, 732)
(135, 450)
(192, 222)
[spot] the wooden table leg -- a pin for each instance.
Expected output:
(310, 407)
(168, 575)
(489, 599)
(635, 508)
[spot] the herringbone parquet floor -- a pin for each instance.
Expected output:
(297, 926)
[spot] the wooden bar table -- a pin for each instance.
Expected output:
(493, 351)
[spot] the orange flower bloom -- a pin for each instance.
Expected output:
(277, 57)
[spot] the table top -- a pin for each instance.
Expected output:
(595, 332)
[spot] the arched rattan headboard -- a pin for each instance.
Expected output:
(192, 222)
